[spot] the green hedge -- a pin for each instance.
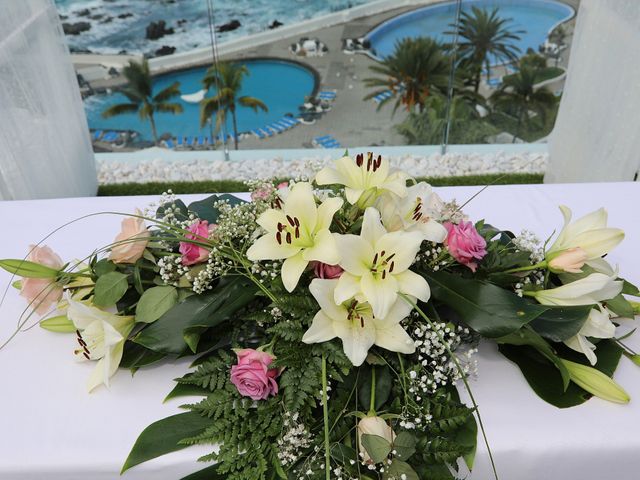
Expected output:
(221, 186)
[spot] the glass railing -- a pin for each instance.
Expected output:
(283, 74)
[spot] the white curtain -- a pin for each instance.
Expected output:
(45, 150)
(597, 133)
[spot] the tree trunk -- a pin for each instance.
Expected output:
(517, 134)
(477, 80)
(488, 65)
(153, 129)
(235, 128)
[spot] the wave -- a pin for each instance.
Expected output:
(110, 33)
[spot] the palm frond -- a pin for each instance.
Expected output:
(120, 109)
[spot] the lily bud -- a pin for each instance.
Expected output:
(570, 261)
(373, 426)
(596, 382)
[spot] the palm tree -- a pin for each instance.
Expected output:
(417, 68)
(517, 94)
(485, 37)
(139, 92)
(427, 128)
(226, 78)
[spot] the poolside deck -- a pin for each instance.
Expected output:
(351, 121)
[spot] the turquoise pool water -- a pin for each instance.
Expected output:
(281, 85)
(535, 17)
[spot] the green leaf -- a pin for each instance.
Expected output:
(155, 302)
(136, 356)
(399, 468)
(526, 336)
(110, 288)
(60, 324)
(404, 445)
(377, 447)
(620, 306)
(27, 269)
(560, 323)
(205, 210)
(542, 377)
(180, 211)
(490, 310)
(629, 288)
(103, 267)
(17, 284)
(163, 437)
(166, 335)
(208, 473)
(343, 455)
(384, 382)
(186, 390)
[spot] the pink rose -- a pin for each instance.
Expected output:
(262, 193)
(252, 376)
(465, 243)
(324, 270)
(130, 251)
(42, 293)
(192, 253)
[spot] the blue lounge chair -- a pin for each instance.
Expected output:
(494, 82)
(188, 141)
(327, 95)
(383, 96)
(97, 134)
(110, 137)
(288, 121)
(258, 133)
(200, 140)
(275, 128)
(169, 143)
(180, 142)
(207, 139)
(322, 138)
(283, 125)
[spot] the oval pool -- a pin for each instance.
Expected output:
(535, 17)
(281, 85)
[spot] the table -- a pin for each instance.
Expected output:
(50, 426)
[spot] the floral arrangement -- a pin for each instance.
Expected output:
(332, 319)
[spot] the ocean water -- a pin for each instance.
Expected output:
(111, 34)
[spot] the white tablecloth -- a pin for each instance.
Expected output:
(51, 428)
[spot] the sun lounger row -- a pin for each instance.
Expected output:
(197, 141)
(280, 126)
(326, 141)
(383, 96)
(108, 137)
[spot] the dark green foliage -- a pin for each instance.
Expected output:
(209, 186)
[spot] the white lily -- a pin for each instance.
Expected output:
(364, 178)
(101, 336)
(417, 211)
(299, 233)
(376, 266)
(598, 325)
(353, 322)
(592, 289)
(589, 233)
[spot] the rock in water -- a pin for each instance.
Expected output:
(157, 30)
(165, 50)
(275, 24)
(228, 27)
(75, 28)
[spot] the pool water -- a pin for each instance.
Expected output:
(535, 17)
(281, 85)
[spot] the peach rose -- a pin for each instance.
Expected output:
(42, 293)
(130, 251)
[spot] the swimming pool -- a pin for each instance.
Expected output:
(535, 17)
(281, 85)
